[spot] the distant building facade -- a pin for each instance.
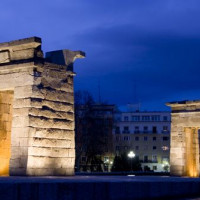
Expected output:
(145, 133)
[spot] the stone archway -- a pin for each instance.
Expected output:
(184, 147)
(36, 109)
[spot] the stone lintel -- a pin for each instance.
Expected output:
(26, 43)
(185, 106)
(20, 50)
(183, 103)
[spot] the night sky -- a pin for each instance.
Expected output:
(145, 51)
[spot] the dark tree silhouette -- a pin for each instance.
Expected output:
(92, 131)
(123, 163)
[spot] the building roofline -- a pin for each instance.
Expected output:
(146, 112)
(183, 102)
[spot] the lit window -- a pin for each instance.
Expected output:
(165, 148)
(165, 160)
(165, 129)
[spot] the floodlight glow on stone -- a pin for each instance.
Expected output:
(184, 144)
(36, 109)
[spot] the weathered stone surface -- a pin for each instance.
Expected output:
(42, 122)
(17, 171)
(48, 162)
(4, 56)
(23, 49)
(46, 112)
(27, 103)
(184, 151)
(15, 79)
(37, 112)
(52, 152)
(22, 121)
(58, 106)
(43, 142)
(55, 133)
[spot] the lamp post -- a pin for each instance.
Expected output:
(131, 155)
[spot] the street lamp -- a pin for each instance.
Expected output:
(131, 155)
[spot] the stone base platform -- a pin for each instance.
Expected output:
(98, 188)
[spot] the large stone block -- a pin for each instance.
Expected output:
(4, 56)
(40, 162)
(13, 80)
(54, 134)
(51, 152)
(44, 142)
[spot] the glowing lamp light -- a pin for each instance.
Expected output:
(131, 154)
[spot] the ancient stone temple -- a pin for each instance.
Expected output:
(36, 109)
(184, 151)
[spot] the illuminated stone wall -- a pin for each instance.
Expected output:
(184, 147)
(6, 103)
(42, 133)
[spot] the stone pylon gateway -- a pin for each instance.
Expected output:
(184, 150)
(36, 109)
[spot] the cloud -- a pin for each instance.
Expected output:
(152, 44)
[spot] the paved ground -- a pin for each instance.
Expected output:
(99, 188)
(73, 179)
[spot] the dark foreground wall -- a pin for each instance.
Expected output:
(96, 187)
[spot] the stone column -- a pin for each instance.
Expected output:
(42, 133)
(192, 153)
(177, 149)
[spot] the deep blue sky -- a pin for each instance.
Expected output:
(144, 48)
